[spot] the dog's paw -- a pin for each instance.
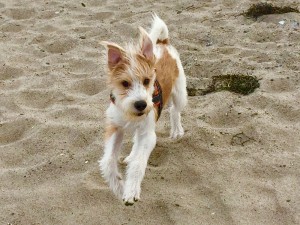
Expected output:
(129, 198)
(177, 132)
(130, 201)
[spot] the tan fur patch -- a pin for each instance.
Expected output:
(166, 73)
(143, 69)
(164, 42)
(116, 81)
(109, 131)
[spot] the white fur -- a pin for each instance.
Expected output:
(137, 92)
(109, 163)
(145, 140)
(143, 128)
(159, 30)
(179, 97)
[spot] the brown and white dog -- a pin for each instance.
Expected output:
(143, 79)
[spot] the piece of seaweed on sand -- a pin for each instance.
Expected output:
(237, 83)
(260, 9)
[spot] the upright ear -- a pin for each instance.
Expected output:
(115, 54)
(146, 44)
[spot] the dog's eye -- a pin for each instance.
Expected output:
(125, 84)
(146, 81)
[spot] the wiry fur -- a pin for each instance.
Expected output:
(152, 58)
(159, 30)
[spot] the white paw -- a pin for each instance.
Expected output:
(177, 132)
(131, 196)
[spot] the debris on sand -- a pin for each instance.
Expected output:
(237, 83)
(260, 9)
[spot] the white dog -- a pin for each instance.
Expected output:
(143, 79)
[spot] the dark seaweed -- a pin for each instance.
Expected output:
(237, 83)
(260, 9)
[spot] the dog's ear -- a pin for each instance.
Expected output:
(146, 44)
(115, 54)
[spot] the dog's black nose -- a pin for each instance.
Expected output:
(140, 105)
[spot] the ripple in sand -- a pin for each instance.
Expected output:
(81, 66)
(15, 130)
(47, 15)
(75, 114)
(8, 72)
(101, 15)
(20, 13)
(279, 85)
(41, 99)
(12, 27)
(60, 45)
(89, 87)
(65, 136)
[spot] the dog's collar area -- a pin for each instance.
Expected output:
(156, 98)
(112, 98)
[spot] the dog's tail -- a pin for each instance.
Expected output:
(159, 32)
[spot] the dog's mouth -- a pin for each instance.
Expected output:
(144, 112)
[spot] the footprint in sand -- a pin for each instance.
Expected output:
(158, 157)
(12, 27)
(48, 14)
(13, 131)
(20, 13)
(59, 45)
(101, 16)
(89, 86)
(229, 50)
(8, 72)
(73, 114)
(41, 99)
(79, 66)
(68, 137)
(279, 85)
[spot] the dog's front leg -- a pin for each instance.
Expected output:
(109, 161)
(137, 163)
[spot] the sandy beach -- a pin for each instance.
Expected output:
(239, 160)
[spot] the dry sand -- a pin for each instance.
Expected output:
(239, 161)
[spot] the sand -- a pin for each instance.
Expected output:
(239, 161)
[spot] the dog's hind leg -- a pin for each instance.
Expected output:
(179, 101)
(109, 161)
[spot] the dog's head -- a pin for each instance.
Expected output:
(131, 76)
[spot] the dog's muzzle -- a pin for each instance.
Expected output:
(140, 106)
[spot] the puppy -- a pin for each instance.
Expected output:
(143, 78)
